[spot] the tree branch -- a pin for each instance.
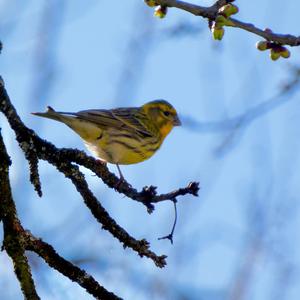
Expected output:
(13, 239)
(54, 260)
(212, 12)
(101, 215)
(17, 240)
(197, 10)
(147, 196)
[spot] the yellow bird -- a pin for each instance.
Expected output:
(121, 136)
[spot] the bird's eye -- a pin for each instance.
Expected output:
(166, 113)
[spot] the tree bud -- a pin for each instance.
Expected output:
(228, 10)
(274, 55)
(285, 53)
(217, 31)
(151, 3)
(262, 45)
(160, 11)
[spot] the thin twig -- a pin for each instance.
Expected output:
(170, 235)
(212, 12)
(34, 173)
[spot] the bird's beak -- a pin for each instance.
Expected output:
(176, 121)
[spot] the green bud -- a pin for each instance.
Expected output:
(285, 53)
(274, 55)
(228, 10)
(262, 45)
(160, 11)
(217, 32)
(151, 3)
(223, 21)
(220, 20)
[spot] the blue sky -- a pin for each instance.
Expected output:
(77, 55)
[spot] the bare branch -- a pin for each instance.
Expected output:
(66, 268)
(147, 196)
(197, 10)
(33, 170)
(283, 39)
(102, 216)
(13, 239)
(17, 240)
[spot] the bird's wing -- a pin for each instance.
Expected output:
(130, 119)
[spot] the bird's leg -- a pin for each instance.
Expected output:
(121, 179)
(121, 175)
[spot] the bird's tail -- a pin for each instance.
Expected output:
(55, 115)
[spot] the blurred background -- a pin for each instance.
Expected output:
(240, 139)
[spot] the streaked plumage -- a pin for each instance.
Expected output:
(122, 135)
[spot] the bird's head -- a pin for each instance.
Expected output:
(162, 114)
